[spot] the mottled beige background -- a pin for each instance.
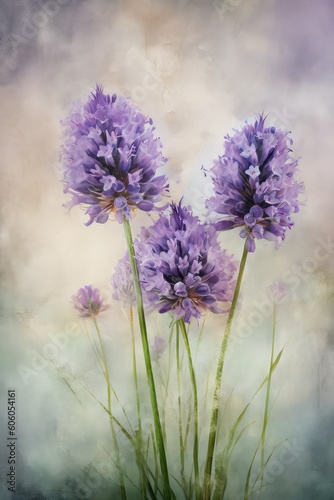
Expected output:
(199, 69)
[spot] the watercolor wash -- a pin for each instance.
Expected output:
(176, 266)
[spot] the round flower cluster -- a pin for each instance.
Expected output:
(88, 302)
(254, 184)
(110, 157)
(122, 282)
(182, 267)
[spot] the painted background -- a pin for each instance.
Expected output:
(199, 69)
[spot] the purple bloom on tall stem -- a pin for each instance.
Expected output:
(182, 267)
(277, 292)
(254, 183)
(110, 158)
(122, 282)
(88, 302)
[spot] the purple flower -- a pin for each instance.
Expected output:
(277, 292)
(254, 184)
(182, 268)
(88, 302)
(158, 348)
(110, 158)
(122, 282)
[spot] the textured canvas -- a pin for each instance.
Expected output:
(201, 71)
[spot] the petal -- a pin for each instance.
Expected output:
(102, 217)
(257, 231)
(202, 289)
(256, 211)
(249, 220)
(120, 203)
(208, 299)
(167, 306)
(180, 289)
(224, 225)
(250, 244)
(146, 206)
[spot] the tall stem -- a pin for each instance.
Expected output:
(113, 432)
(179, 404)
(166, 385)
(134, 367)
(194, 385)
(148, 363)
(218, 380)
(266, 405)
(139, 433)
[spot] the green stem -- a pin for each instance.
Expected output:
(178, 373)
(148, 363)
(101, 365)
(166, 386)
(99, 359)
(97, 355)
(139, 434)
(194, 385)
(121, 428)
(218, 380)
(266, 406)
(200, 337)
(186, 434)
(134, 367)
(156, 475)
(113, 432)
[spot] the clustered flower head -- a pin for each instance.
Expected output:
(122, 282)
(110, 158)
(88, 302)
(254, 183)
(182, 267)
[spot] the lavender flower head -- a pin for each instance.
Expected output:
(88, 302)
(122, 282)
(110, 158)
(182, 267)
(277, 292)
(254, 184)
